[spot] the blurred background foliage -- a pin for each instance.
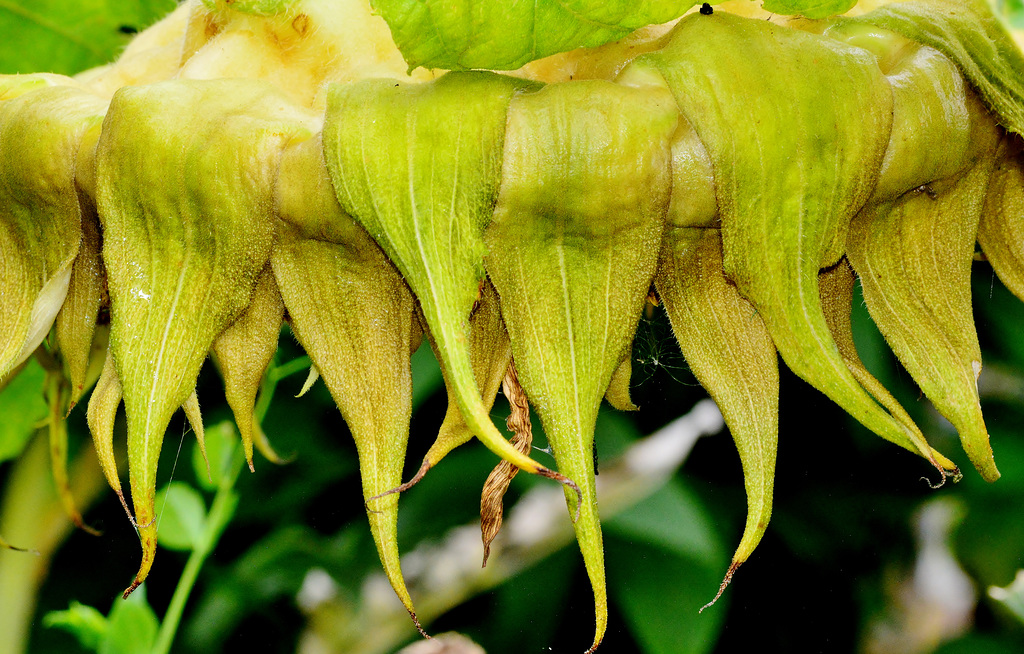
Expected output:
(861, 556)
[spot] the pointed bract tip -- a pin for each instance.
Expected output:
(80, 523)
(195, 419)
(127, 511)
(147, 538)
(565, 481)
(311, 378)
(131, 589)
(946, 473)
(419, 627)
(424, 467)
(985, 464)
(725, 584)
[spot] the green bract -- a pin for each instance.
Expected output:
(573, 247)
(249, 163)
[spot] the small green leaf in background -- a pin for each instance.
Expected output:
(84, 622)
(131, 627)
(809, 8)
(66, 37)
(182, 516)
(979, 644)
(221, 442)
(1012, 596)
(662, 571)
(22, 407)
(690, 532)
(1013, 12)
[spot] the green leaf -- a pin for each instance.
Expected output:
(530, 609)
(22, 407)
(980, 644)
(499, 35)
(255, 7)
(67, 37)
(659, 594)
(690, 532)
(220, 449)
(131, 627)
(182, 517)
(662, 571)
(809, 8)
(84, 622)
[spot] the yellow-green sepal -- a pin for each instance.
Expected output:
(40, 216)
(618, 393)
(791, 169)
(418, 165)
(58, 396)
(969, 33)
(356, 318)
(731, 354)
(243, 352)
(836, 287)
(933, 115)
(1001, 231)
(573, 249)
(75, 325)
(184, 190)
(914, 259)
(100, 415)
(490, 352)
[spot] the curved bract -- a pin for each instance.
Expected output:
(251, 162)
(573, 247)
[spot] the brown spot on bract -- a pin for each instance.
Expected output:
(212, 28)
(301, 24)
(725, 584)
